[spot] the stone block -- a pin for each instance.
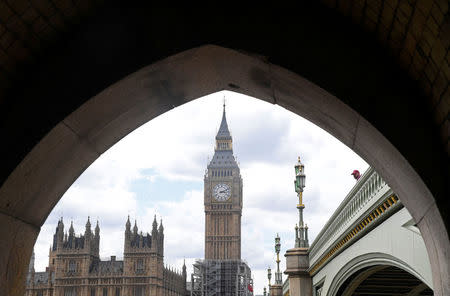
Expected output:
(438, 52)
(431, 70)
(313, 103)
(34, 201)
(16, 246)
(437, 14)
(155, 89)
(439, 86)
(424, 6)
(387, 16)
(436, 240)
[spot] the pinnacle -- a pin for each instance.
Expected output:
(223, 132)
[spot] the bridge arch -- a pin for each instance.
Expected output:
(369, 262)
(74, 143)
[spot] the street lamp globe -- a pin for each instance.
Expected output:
(277, 244)
(299, 176)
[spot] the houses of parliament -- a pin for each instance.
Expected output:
(75, 268)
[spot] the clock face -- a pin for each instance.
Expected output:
(221, 192)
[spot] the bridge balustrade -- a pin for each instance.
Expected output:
(367, 192)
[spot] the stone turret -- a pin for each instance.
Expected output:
(128, 225)
(142, 250)
(88, 231)
(184, 274)
(31, 266)
(154, 226)
(58, 237)
(161, 239)
(75, 253)
(74, 258)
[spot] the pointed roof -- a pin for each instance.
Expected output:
(97, 229)
(135, 228)
(155, 224)
(224, 132)
(71, 230)
(128, 223)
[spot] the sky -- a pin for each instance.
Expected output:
(158, 169)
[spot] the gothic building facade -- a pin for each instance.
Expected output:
(75, 268)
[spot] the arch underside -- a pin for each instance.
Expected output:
(66, 118)
(365, 269)
(81, 137)
(383, 280)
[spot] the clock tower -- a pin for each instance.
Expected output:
(223, 199)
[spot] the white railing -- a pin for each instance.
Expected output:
(367, 191)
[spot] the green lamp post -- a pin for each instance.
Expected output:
(278, 279)
(301, 240)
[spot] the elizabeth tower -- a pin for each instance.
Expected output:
(223, 199)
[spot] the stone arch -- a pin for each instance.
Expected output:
(368, 260)
(74, 143)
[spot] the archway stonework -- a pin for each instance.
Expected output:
(364, 261)
(36, 185)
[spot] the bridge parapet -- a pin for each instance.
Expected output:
(368, 193)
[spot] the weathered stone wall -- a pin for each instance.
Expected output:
(417, 34)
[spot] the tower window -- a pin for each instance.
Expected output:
(69, 291)
(140, 266)
(72, 266)
(138, 291)
(92, 291)
(105, 291)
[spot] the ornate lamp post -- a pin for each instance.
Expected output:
(297, 258)
(265, 292)
(278, 279)
(269, 275)
(301, 238)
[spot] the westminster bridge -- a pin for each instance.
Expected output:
(369, 246)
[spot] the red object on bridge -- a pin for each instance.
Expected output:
(356, 174)
(250, 288)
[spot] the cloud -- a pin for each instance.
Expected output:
(159, 168)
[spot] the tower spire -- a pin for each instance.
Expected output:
(155, 225)
(97, 229)
(135, 228)
(161, 227)
(71, 230)
(224, 132)
(128, 224)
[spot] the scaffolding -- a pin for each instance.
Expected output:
(221, 277)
